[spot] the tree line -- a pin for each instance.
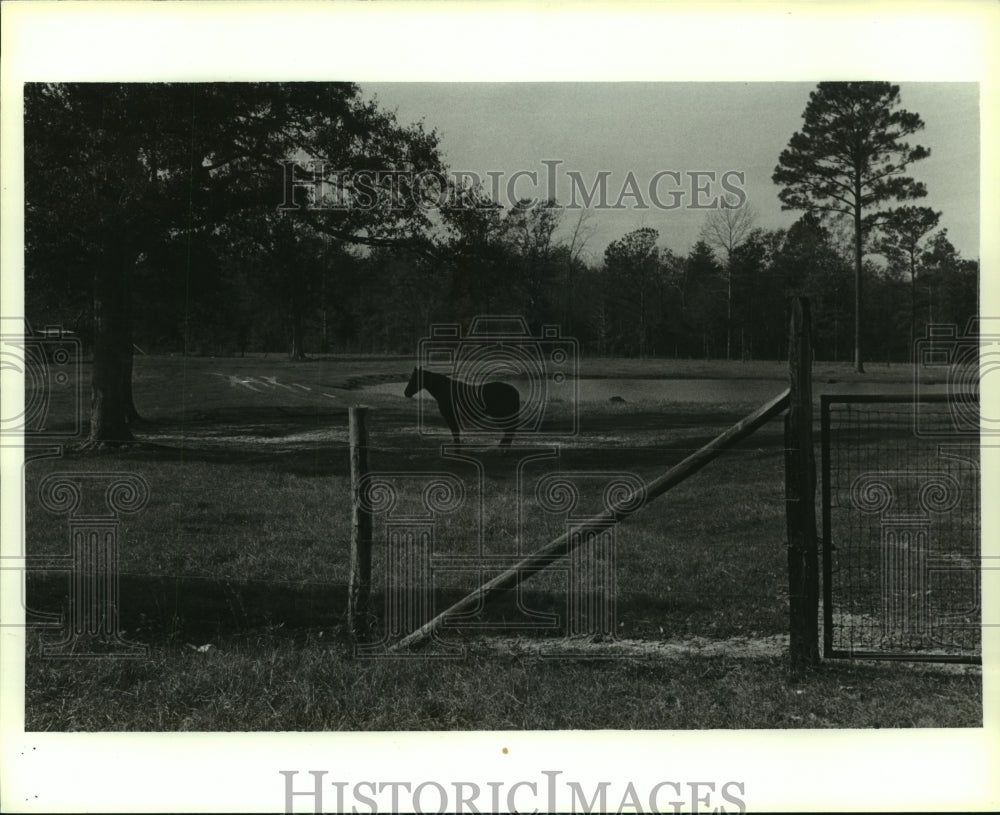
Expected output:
(307, 293)
(641, 299)
(157, 221)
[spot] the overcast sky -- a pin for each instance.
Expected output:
(645, 128)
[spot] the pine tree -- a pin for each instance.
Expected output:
(849, 158)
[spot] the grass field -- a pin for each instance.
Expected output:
(233, 574)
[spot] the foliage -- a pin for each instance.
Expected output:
(725, 230)
(848, 159)
(169, 195)
(903, 229)
(123, 176)
(849, 153)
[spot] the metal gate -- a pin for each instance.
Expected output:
(901, 527)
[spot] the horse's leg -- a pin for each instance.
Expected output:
(511, 409)
(450, 420)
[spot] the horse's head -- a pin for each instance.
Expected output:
(414, 384)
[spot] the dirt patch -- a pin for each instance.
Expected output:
(366, 380)
(248, 437)
(770, 647)
(735, 647)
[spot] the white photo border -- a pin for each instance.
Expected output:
(934, 770)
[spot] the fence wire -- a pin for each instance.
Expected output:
(901, 529)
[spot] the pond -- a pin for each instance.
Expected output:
(703, 391)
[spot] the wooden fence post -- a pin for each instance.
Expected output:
(800, 493)
(360, 578)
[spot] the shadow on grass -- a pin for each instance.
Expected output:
(154, 610)
(314, 460)
(240, 414)
(300, 446)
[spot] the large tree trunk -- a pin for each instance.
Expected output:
(111, 405)
(299, 304)
(729, 309)
(131, 413)
(296, 350)
(859, 364)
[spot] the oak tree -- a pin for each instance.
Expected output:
(114, 170)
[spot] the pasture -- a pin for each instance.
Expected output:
(234, 573)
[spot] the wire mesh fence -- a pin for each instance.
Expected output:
(901, 529)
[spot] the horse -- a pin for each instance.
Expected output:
(496, 400)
